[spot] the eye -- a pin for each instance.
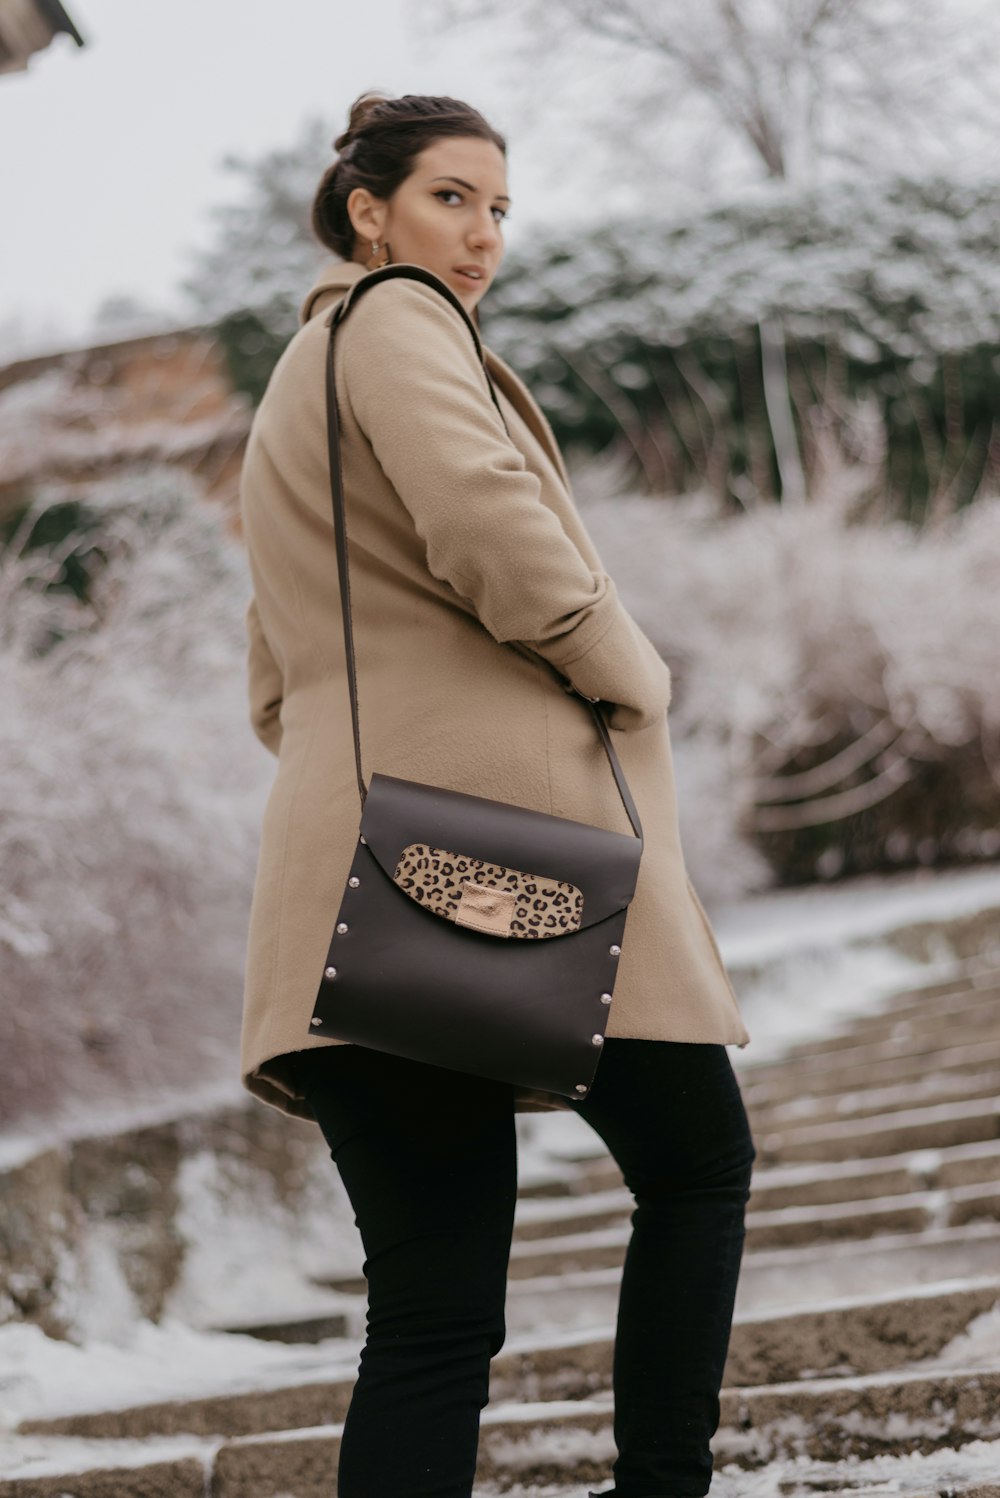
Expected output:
(453, 192)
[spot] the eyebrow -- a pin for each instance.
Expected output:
(501, 195)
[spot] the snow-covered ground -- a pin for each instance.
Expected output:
(805, 960)
(801, 960)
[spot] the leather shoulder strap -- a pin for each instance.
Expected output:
(336, 318)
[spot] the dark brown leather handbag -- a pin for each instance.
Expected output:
(472, 934)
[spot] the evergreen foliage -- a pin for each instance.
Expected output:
(645, 334)
(648, 333)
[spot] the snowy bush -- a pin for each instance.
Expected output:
(646, 332)
(131, 796)
(837, 700)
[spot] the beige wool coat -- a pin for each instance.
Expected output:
(476, 592)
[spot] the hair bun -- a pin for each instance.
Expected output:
(362, 110)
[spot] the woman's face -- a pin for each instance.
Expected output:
(445, 216)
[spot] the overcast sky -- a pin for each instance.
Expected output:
(110, 155)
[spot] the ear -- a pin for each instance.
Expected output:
(366, 212)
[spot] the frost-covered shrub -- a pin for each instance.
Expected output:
(837, 693)
(130, 795)
(645, 332)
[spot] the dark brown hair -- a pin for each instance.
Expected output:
(378, 150)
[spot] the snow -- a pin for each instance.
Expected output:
(43, 1376)
(245, 1253)
(833, 944)
(50, 1456)
(775, 923)
(977, 1346)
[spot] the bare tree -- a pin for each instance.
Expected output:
(788, 86)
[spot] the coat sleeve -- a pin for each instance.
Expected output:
(265, 683)
(420, 394)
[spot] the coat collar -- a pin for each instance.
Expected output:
(336, 279)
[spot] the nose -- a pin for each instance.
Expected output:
(485, 233)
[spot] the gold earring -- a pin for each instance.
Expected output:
(371, 263)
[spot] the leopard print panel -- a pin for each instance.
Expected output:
(542, 907)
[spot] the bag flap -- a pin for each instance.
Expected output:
(599, 866)
(488, 897)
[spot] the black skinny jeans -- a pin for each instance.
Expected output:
(428, 1158)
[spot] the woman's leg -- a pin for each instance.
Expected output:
(673, 1118)
(429, 1160)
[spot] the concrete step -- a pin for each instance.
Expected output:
(902, 1038)
(586, 1174)
(774, 1278)
(886, 1476)
(558, 1442)
(295, 1329)
(869, 1102)
(888, 1071)
(600, 1247)
(586, 1249)
(182, 1478)
(247, 1412)
(957, 995)
(780, 1186)
(848, 1337)
(952, 1001)
(873, 1240)
(947, 996)
(814, 1183)
(575, 1267)
(897, 1214)
(851, 1336)
(545, 1219)
(937, 1126)
(833, 1419)
(549, 1441)
(901, 1132)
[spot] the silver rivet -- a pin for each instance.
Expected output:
(354, 881)
(605, 998)
(581, 1087)
(315, 1021)
(363, 840)
(615, 951)
(342, 926)
(597, 1040)
(330, 972)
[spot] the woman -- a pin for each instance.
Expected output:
(476, 595)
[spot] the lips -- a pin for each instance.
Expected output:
(474, 274)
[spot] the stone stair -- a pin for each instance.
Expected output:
(865, 1354)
